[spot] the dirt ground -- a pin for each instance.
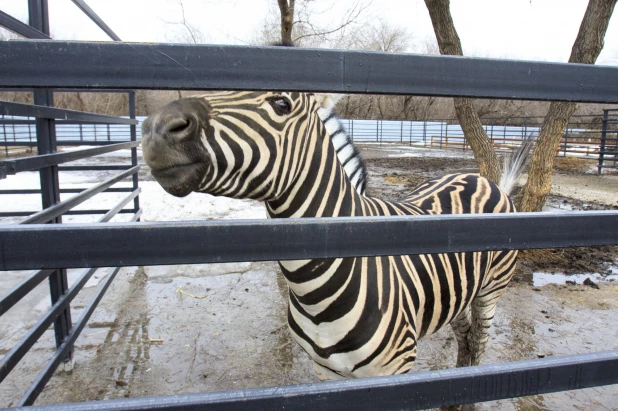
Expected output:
(196, 328)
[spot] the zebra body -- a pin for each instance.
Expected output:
(356, 317)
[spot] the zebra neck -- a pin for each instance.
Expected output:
(321, 187)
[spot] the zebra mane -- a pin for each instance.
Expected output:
(349, 156)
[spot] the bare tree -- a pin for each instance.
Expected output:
(286, 8)
(449, 43)
(296, 23)
(586, 49)
(187, 32)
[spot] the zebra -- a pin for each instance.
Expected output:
(355, 317)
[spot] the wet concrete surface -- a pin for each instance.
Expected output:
(195, 328)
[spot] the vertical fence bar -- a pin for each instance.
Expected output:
(425, 133)
(50, 186)
(411, 127)
(603, 139)
(81, 133)
(401, 133)
(566, 141)
(491, 136)
(446, 136)
(352, 129)
(377, 131)
(6, 146)
(133, 129)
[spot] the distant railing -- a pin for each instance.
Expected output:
(585, 136)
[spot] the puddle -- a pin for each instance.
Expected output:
(540, 279)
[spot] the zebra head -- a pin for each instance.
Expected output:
(237, 144)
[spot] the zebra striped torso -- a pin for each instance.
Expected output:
(355, 317)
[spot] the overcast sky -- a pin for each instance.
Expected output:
(516, 29)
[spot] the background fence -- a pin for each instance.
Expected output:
(593, 138)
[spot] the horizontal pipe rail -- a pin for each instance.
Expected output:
(111, 213)
(414, 391)
(62, 207)
(19, 165)
(121, 244)
(12, 358)
(67, 190)
(95, 168)
(46, 373)
(208, 67)
(16, 26)
(71, 212)
(63, 143)
(31, 110)
(18, 292)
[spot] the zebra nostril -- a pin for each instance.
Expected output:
(177, 125)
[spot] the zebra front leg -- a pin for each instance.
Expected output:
(461, 327)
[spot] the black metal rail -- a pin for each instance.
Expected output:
(194, 242)
(62, 207)
(38, 111)
(205, 67)
(18, 165)
(20, 28)
(417, 391)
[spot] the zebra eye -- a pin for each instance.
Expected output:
(281, 105)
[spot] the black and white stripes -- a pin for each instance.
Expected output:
(355, 317)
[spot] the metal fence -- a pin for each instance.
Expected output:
(586, 137)
(45, 64)
(608, 150)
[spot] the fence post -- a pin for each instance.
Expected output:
(603, 139)
(441, 125)
(50, 185)
(6, 146)
(566, 141)
(108, 135)
(425, 133)
(411, 125)
(133, 130)
(401, 133)
(446, 136)
(491, 137)
(81, 133)
(377, 131)
(504, 132)
(351, 124)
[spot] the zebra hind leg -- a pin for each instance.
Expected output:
(483, 309)
(461, 327)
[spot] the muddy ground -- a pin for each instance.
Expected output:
(196, 328)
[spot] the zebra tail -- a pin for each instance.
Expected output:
(515, 163)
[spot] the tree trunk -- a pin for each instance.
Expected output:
(586, 49)
(287, 20)
(449, 43)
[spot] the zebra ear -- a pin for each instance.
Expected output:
(328, 101)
